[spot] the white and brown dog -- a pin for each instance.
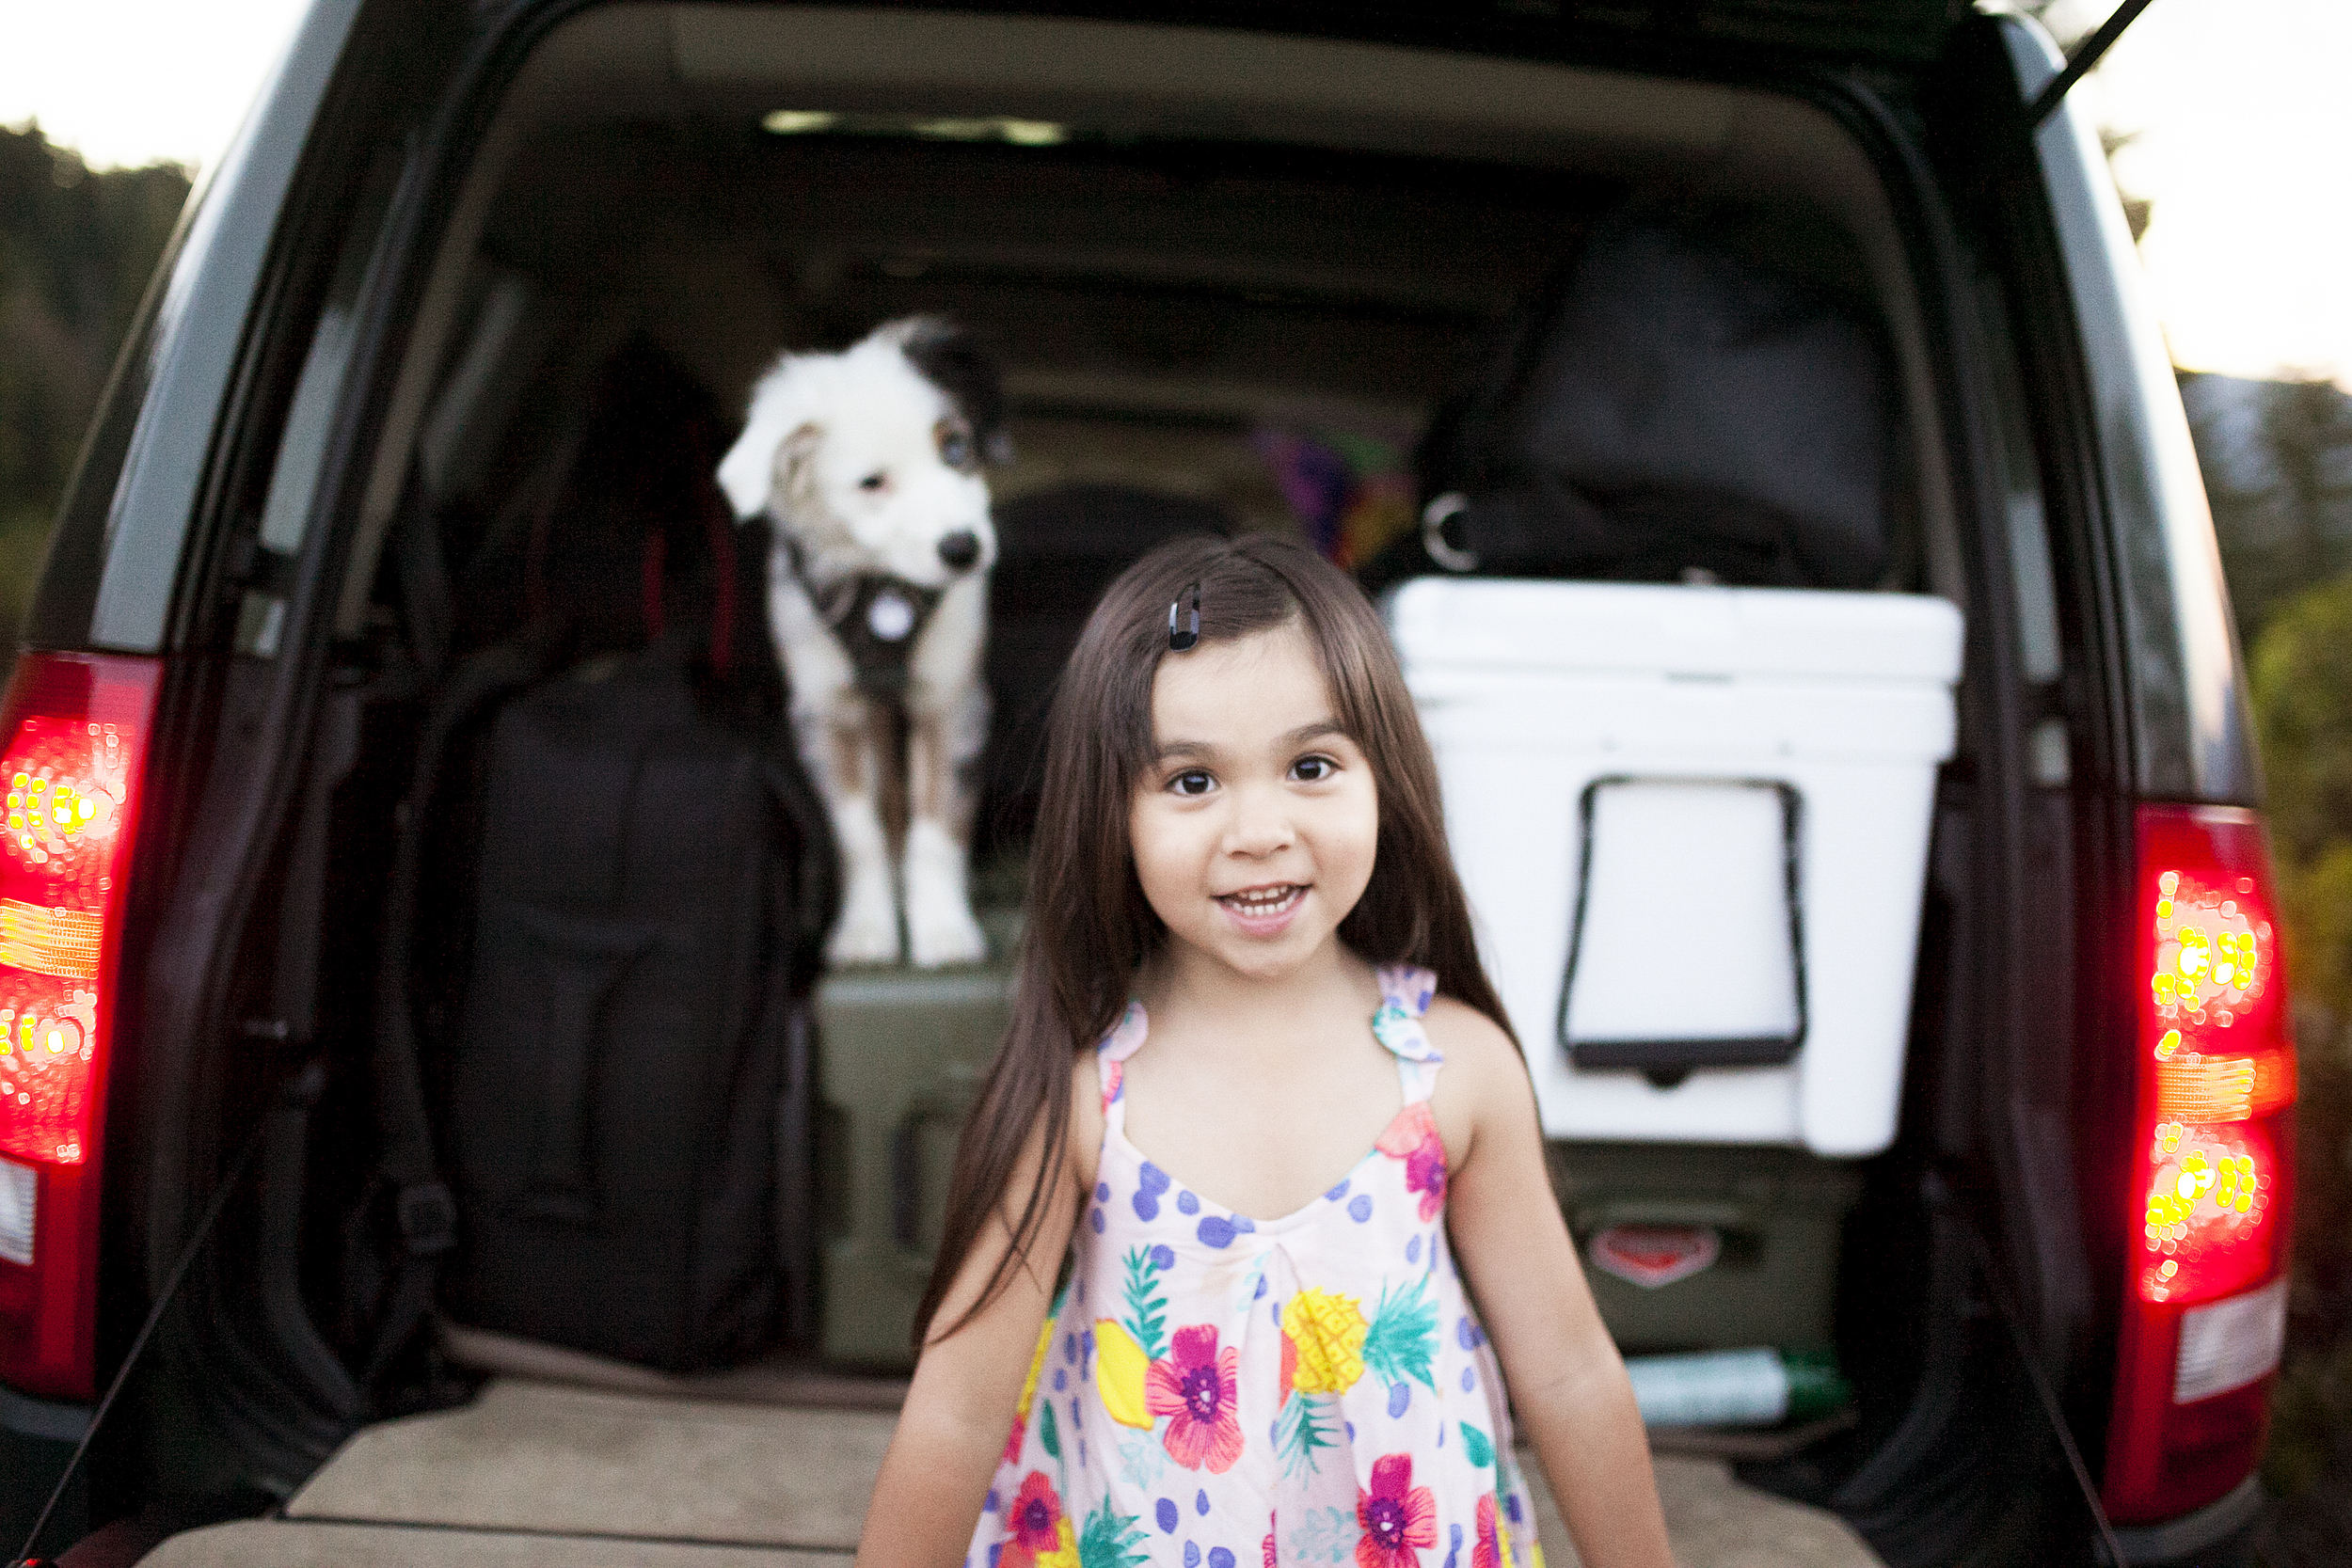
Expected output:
(868, 462)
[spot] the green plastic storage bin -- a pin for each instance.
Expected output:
(1777, 1213)
(902, 1053)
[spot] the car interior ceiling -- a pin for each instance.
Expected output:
(1158, 279)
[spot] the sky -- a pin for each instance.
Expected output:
(2241, 130)
(2241, 126)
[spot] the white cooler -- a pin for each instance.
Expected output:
(1693, 827)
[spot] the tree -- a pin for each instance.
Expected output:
(2277, 457)
(2302, 687)
(76, 247)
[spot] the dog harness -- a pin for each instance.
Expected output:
(877, 618)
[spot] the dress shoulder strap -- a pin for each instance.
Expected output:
(1113, 1049)
(1405, 991)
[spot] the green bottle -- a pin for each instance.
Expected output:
(1737, 1388)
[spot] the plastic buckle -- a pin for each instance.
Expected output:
(428, 1218)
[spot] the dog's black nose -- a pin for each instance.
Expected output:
(960, 549)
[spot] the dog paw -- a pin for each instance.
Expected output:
(867, 934)
(947, 937)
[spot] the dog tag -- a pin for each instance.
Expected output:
(889, 616)
(1655, 1255)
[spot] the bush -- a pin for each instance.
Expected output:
(2302, 689)
(2302, 681)
(76, 246)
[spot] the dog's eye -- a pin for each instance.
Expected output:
(955, 450)
(875, 480)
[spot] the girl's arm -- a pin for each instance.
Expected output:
(967, 1384)
(1567, 1380)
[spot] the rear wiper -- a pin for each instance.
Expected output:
(2085, 56)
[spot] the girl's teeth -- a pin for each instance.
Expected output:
(1261, 903)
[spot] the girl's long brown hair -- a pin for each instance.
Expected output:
(1089, 929)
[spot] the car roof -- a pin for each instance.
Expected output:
(1825, 31)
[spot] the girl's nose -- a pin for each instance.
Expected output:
(1260, 823)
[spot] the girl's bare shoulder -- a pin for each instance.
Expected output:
(1485, 1078)
(1470, 1041)
(1085, 1144)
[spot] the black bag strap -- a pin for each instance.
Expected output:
(1544, 526)
(815, 885)
(422, 1209)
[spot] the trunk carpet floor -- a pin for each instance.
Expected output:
(287, 1544)
(1714, 1521)
(776, 1380)
(536, 1456)
(536, 1475)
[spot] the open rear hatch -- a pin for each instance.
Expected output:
(1202, 255)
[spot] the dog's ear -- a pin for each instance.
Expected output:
(795, 458)
(749, 471)
(952, 360)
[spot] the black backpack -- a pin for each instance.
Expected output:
(1660, 410)
(610, 889)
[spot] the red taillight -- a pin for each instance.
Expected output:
(2213, 1158)
(71, 736)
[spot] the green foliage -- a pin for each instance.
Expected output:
(1403, 1339)
(2310, 1445)
(1302, 1430)
(2318, 906)
(2302, 690)
(2277, 461)
(1048, 1432)
(76, 247)
(1477, 1445)
(2302, 687)
(24, 541)
(1147, 1309)
(1110, 1539)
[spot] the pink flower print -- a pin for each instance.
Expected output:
(1267, 1546)
(1012, 1439)
(1041, 1536)
(1118, 1045)
(1398, 1518)
(1412, 1138)
(1028, 1387)
(1487, 1553)
(1197, 1386)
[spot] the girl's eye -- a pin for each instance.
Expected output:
(1192, 781)
(1314, 769)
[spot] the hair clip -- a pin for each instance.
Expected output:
(1180, 642)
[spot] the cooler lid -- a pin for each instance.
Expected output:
(1559, 627)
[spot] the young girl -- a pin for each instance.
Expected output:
(1249, 989)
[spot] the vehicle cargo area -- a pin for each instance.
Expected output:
(1714, 822)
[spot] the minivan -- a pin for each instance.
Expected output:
(308, 493)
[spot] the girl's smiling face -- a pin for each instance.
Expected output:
(1255, 826)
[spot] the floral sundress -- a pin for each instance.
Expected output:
(1212, 1389)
